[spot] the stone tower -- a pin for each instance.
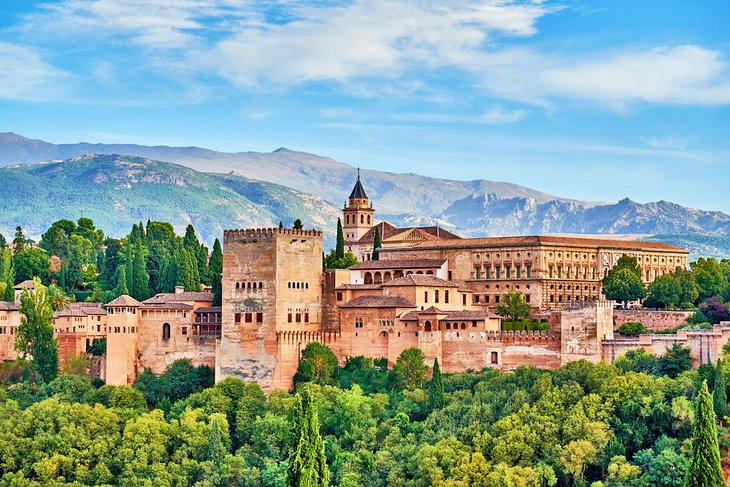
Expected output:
(358, 214)
(121, 340)
(272, 284)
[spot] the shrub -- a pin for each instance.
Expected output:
(632, 328)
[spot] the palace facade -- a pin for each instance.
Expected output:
(430, 289)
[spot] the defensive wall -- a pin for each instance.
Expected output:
(653, 320)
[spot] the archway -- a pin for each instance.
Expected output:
(427, 326)
(368, 278)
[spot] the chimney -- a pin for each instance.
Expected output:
(179, 289)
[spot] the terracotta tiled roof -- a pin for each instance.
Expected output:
(25, 284)
(123, 300)
(388, 232)
(410, 316)
(167, 305)
(209, 309)
(398, 264)
(81, 309)
(365, 287)
(179, 297)
(542, 240)
(8, 306)
(432, 310)
(467, 315)
(420, 280)
(379, 302)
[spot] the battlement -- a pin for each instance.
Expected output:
(587, 304)
(247, 234)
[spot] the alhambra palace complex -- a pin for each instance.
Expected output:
(430, 289)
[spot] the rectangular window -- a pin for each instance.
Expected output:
(593, 272)
(450, 275)
(499, 272)
(494, 357)
(529, 272)
(358, 322)
(288, 317)
(560, 272)
(527, 298)
(463, 299)
(478, 272)
(496, 299)
(184, 330)
(519, 271)
(550, 271)
(298, 317)
(509, 271)
(339, 296)
(249, 317)
(436, 296)
(306, 317)
(486, 298)
(237, 317)
(446, 296)
(259, 317)
(425, 296)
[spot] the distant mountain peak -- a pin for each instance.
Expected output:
(283, 149)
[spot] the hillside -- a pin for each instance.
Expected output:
(117, 191)
(474, 208)
(699, 245)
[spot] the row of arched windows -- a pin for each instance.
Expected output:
(250, 285)
(297, 285)
(354, 219)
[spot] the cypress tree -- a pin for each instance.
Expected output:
(281, 224)
(719, 393)
(62, 278)
(340, 248)
(704, 466)
(121, 282)
(140, 279)
(376, 245)
(216, 448)
(436, 388)
(35, 333)
(128, 264)
(19, 240)
(307, 462)
(216, 270)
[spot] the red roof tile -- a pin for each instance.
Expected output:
(179, 297)
(379, 302)
(398, 264)
(123, 300)
(420, 280)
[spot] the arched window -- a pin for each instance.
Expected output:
(368, 219)
(362, 218)
(427, 326)
(166, 331)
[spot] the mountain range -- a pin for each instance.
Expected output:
(221, 189)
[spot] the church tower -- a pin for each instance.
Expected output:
(358, 215)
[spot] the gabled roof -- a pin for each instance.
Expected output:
(25, 284)
(379, 302)
(9, 306)
(358, 191)
(81, 309)
(420, 280)
(398, 264)
(180, 297)
(526, 241)
(432, 310)
(468, 315)
(179, 306)
(390, 233)
(355, 287)
(209, 309)
(123, 300)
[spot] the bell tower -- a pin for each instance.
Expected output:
(358, 214)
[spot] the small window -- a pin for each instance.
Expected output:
(259, 317)
(298, 317)
(248, 317)
(288, 317)
(494, 357)
(237, 317)
(339, 296)
(306, 317)
(165, 331)
(184, 330)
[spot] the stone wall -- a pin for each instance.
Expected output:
(582, 329)
(652, 320)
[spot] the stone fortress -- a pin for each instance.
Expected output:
(430, 289)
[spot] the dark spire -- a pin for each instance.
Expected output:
(358, 191)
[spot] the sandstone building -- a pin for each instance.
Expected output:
(430, 289)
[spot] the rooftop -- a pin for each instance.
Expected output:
(389, 233)
(379, 302)
(123, 300)
(542, 240)
(81, 309)
(209, 309)
(358, 191)
(180, 297)
(25, 284)
(398, 264)
(420, 280)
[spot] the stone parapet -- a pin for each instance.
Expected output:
(244, 234)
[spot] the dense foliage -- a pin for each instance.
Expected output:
(578, 425)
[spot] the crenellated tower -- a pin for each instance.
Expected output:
(358, 214)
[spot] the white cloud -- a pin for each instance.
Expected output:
(26, 76)
(668, 142)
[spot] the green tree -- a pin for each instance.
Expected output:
(376, 245)
(709, 276)
(121, 282)
(632, 328)
(35, 333)
(3, 241)
(623, 283)
(410, 368)
(704, 465)
(298, 224)
(318, 364)
(666, 289)
(7, 274)
(140, 279)
(675, 360)
(29, 263)
(57, 297)
(513, 304)
(688, 289)
(340, 248)
(217, 448)
(332, 262)
(307, 462)
(215, 264)
(436, 388)
(719, 392)
(19, 240)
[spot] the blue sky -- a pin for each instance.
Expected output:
(594, 100)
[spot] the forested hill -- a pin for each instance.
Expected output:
(117, 191)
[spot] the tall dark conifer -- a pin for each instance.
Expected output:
(216, 271)
(307, 462)
(704, 466)
(140, 280)
(436, 388)
(719, 393)
(340, 248)
(376, 245)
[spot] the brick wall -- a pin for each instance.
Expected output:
(652, 320)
